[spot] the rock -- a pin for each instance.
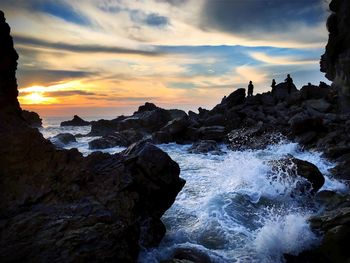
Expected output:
(60, 206)
(205, 146)
(76, 121)
(301, 123)
(63, 139)
(319, 104)
(176, 126)
(336, 60)
(217, 119)
(281, 91)
(216, 133)
(103, 127)
(255, 137)
(147, 107)
(295, 167)
(175, 113)
(162, 137)
(32, 118)
(235, 98)
(109, 141)
(314, 92)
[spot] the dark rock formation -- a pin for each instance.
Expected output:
(56, 205)
(336, 60)
(76, 121)
(32, 118)
(63, 139)
(205, 146)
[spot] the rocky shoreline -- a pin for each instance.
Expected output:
(57, 204)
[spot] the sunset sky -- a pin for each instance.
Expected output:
(106, 57)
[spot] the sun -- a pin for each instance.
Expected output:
(35, 98)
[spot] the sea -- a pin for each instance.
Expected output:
(234, 207)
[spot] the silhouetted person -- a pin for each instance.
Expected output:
(250, 89)
(273, 85)
(309, 84)
(289, 82)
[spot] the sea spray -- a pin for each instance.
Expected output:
(234, 207)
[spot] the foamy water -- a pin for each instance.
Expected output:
(234, 207)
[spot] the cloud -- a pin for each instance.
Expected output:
(66, 93)
(30, 41)
(261, 15)
(281, 60)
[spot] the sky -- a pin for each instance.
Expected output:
(107, 57)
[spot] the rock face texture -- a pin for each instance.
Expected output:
(336, 60)
(56, 205)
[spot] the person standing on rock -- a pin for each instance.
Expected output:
(289, 82)
(273, 86)
(250, 89)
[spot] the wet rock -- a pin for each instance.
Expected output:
(295, 167)
(63, 139)
(162, 137)
(76, 121)
(32, 118)
(205, 146)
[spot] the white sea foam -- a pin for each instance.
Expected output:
(234, 207)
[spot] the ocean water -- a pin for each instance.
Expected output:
(234, 207)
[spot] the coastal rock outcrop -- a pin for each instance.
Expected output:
(56, 205)
(63, 139)
(76, 121)
(32, 118)
(336, 60)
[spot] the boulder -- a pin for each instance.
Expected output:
(295, 167)
(192, 255)
(103, 127)
(205, 146)
(76, 121)
(63, 139)
(235, 98)
(162, 137)
(32, 118)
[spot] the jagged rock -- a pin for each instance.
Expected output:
(56, 205)
(147, 107)
(175, 113)
(76, 121)
(32, 118)
(205, 146)
(162, 137)
(63, 139)
(104, 127)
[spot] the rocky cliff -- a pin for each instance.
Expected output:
(56, 205)
(336, 60)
